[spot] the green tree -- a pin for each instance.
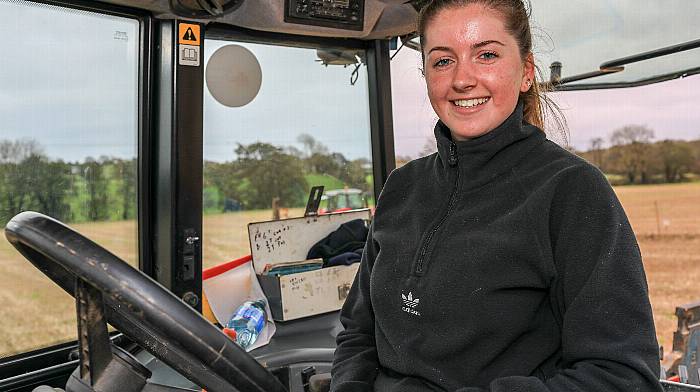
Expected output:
(15, 176)
(597, 152)
(632, 152)
(311, 145)
(14, 190)
(126, 188)
(97, 205)
(354, 174)
(675, 158)
(48, 185)
(269, 173)
(227, 179)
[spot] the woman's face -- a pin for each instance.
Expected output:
(473, 69)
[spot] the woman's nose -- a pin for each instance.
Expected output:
(463, 77)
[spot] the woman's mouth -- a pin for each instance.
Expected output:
(470, 103)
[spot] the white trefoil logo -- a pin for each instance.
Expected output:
(410, 304)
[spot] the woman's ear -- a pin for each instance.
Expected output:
(528, 73)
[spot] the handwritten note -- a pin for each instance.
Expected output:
(270, 240)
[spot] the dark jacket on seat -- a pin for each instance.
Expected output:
(502, 263)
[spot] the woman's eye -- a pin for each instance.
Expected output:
(442, 62)
(488, 55)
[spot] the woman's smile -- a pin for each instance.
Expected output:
(470, 102)
(475, 73)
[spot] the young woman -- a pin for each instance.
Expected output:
(502, 262)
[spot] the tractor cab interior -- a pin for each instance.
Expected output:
(147, 136)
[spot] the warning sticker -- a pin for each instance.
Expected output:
(188, 34)
(188, 55)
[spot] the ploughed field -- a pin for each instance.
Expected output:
(666, 219)
(670, 246)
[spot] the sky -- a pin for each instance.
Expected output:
(70, 83)
(668, 108)
(583, 34)
(297, 95)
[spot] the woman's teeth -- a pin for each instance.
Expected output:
(468, 103)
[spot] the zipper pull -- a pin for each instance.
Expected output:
(452, 159)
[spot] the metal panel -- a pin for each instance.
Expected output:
(382, 125)
(241, 34)
(146, 165)
(177, 184)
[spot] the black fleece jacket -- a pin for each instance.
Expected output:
(502, 263)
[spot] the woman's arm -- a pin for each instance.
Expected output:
(608, 338)
(355, 364)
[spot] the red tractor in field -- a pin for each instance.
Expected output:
(338, 200)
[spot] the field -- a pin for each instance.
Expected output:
(666, 219)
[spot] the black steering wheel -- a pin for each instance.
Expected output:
(107, 288)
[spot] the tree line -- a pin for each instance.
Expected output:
(96, 189)
(262, 172)
(633, 157)
(104, 188)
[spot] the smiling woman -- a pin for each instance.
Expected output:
(476, 73)
(497, 263)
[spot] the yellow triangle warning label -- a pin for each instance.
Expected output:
(188, 34)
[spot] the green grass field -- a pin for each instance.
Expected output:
(666, 219)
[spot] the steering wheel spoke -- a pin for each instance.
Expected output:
(93, 338)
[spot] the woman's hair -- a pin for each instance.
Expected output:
(517, 22)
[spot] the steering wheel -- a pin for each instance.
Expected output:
(108, 289)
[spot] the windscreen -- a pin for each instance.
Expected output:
(583, 34)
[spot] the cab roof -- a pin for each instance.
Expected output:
(579, 44)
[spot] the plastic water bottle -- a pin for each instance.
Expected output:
(247, 323)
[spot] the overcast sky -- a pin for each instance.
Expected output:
(297, 95)
(669, 108)
(582, 34)
(69, 81)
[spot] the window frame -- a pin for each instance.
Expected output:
(379, 88)
(53, 362)
(157, 86)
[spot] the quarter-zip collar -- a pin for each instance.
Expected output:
(485, 157)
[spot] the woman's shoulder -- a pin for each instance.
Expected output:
(412, 170)
(554, 172)
(552, 161)
(406, 178)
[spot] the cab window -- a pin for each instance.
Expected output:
(68, 143)
(300, 123)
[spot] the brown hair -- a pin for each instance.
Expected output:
(517, 23)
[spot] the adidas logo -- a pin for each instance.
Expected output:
(410, 304)
(409, 301)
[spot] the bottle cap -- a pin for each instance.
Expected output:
(230, 332)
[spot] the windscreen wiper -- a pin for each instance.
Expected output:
(557, 83)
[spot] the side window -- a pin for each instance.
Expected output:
(68, 143)
(307, 125)
(649, 149)
(646, 141)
